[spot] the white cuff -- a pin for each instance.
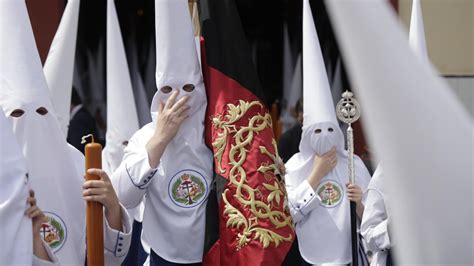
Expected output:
(302, 200)
(139, 171)
(380, 237)
(118, 242)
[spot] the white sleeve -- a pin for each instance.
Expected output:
(39, 262)
(117, 243)
(133, 176)
(301, 200)
(374, 226)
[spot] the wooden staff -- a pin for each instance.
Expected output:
(348, 111)
(94, 213)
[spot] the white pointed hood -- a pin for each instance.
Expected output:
(318, 106)
(417, 32)
(24, 98)
(177, 61)
(419, 131)
(15, 229)
(59, 65)
(122, 118)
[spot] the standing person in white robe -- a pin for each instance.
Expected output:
(56, 169)
(317, 177)
(20, 244)
(167, 160)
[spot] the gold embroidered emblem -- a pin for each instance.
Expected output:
(261, 208)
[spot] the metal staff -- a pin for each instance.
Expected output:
(348, 111)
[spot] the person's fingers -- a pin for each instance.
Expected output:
(181, 102)
(182, 118)
(327, 154)
(37, 212)
(94, 198)
(93, 191)
(31, 201)
(182, 110)
(93, 184)
(161, 107)
(354, 190)
(330, 154)
(99, 172)
(32, 193)
(33, 211)
(29, 210)
(171, 100)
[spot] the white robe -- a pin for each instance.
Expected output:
(374, 226)
(174, 229)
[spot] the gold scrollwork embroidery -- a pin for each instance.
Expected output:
(260, 207)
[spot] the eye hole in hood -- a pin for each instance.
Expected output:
(188, 87)
(17, 113)
(42, 111)
(166, 89)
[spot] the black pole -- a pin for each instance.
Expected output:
(355, 248)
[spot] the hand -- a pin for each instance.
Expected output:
(354, 193)
(322, 165)
(38, 218)
(101, 190)
(36, 214)
(170, 117)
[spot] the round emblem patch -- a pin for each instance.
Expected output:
(54, 231)
(330, 192)
(187, 188)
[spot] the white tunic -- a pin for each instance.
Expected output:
(176, 195)
(374, 226)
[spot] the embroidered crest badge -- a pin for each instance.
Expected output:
(188, 188)
(330, 192)
(54, 231)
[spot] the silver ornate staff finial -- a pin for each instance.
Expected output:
(348, 108)
(348, 111)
